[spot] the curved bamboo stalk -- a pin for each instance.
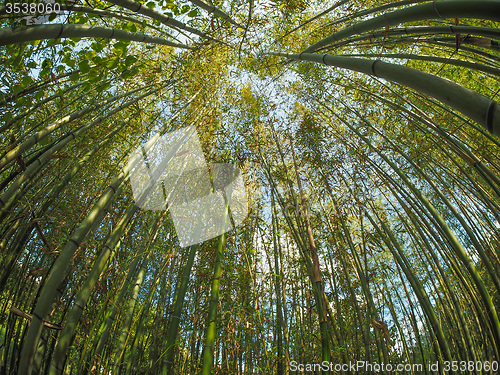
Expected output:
(137, 7)
(46, 119)
(45, 157)
(458, 147)
(55, 31)
(145, 309)
(18, 150)
(395, 249)
(464, 31)
(19, 117)
(481, 9)
(427, 260)
(318, 280)
(453, 241)
(442, 60)
(58, 273)
(13, 253)
(453, 47)
(479, 248)
(216, 11)
(278, 286)
(375, 10)
(109, 319)
(470, 40)
(484, 111)
(36, 86)
(74, 315)
(60, 267)
(465, 284)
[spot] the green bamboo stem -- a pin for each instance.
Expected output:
(137, 7)
(24, 235)
(216, 11)
(372, 311)
(36, 87)
(458, 147)
(55, 31)
(453, 47)
(41, 103)
(109, 319)
(19, 149)
(318, 280)
(389, 302)
(413, 317)
(395, 249)
(129, 313)
(431, 226)
(104, 330)
(105, 13)
(144, 311)
(35, 167)
(453, 241)
(469, 345)
(58, 273)
(428, 261)
(301, 225)
(208, 349)
(173, 327)
(21, 134)
(375, 10)
(72, 319)
(480, 9)
(479, 248)
(484, 111)
(277, 282)
(464, 31)
(490, 44)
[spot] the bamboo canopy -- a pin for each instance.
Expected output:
(263, 187)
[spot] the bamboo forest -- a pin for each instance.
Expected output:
(328, 200)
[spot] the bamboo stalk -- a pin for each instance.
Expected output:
(72, 319)
(484, 111)
(19, 149)
(442, 60)
(480, 9)
(216, 11)
(375, 10)
(55, 31)
(209, 347)
(138, 7)
(173, 327)
(464, 31)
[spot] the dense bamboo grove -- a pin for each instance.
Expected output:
(367, 135)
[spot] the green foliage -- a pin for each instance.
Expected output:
(394, 195)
